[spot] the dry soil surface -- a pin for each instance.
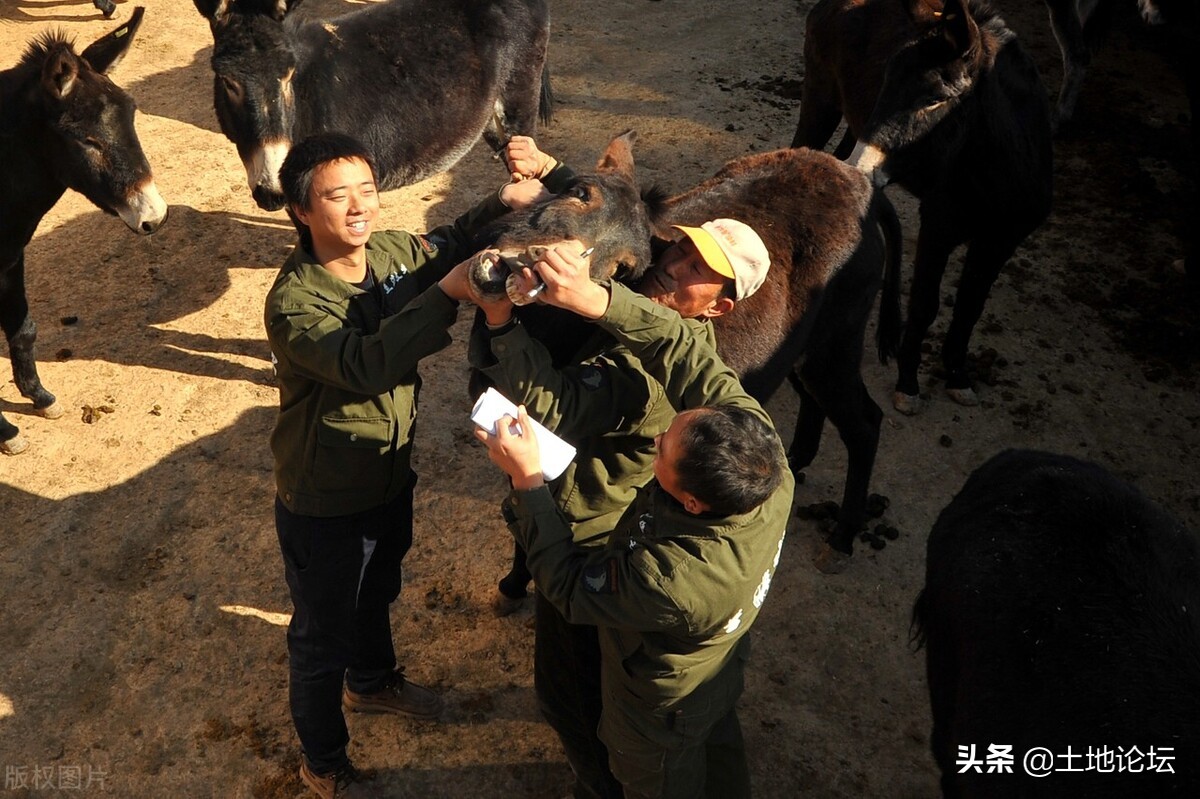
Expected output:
(143, 605)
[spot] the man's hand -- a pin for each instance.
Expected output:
(522, 194)
(525, 160)
(564, 269)
(457, 284)
(514, 449)
(497, 311)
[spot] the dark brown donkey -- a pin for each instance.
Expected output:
(947, 103)
(63, 125)
(829, 235)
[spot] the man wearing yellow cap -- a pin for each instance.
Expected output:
(608, 405)
(708, 269)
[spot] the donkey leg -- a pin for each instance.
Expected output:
(820, 112)
(1068, 30)
(858, 420)
(21, 333)
(934, 246)
(11, 440)
(810, 421)
(981, 267)
(834, 379)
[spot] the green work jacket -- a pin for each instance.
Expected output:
(672, 593)
(346, 363)
(604, 403)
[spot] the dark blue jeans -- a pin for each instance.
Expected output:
(343, 573)
(566, 678)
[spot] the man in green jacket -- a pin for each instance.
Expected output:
(682, 576)
(348, 318)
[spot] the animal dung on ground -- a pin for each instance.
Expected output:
(91, 414)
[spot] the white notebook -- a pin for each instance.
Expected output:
(556, 453)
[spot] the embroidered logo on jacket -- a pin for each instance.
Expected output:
(390, 282)
(601, 578)
(592, 377)
(734, 622)
(760, 594)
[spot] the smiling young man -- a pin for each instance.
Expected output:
(349, 317)
(671, 591)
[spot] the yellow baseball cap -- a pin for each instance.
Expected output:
(732, 248)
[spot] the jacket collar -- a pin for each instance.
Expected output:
(304, 266)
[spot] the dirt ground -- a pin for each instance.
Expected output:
(142, 601)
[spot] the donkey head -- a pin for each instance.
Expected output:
(924, 83)
(603, 210)
(89, 141)
(254, 61)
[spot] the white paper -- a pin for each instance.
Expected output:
(556, 453)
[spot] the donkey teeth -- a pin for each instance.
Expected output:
(514, 292)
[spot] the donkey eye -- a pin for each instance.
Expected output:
(93, 144)
(579, 192)
(232, 88)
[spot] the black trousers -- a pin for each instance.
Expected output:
(566, 678)
(343, 573)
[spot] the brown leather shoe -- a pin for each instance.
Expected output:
(399, 696)
(345, 783)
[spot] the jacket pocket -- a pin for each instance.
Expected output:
(369, 432)
(353, 454)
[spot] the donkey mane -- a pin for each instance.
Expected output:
(45, 44)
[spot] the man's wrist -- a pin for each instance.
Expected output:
(500, 322)
(594, 301)
(529, 482)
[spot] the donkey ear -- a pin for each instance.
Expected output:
(276, 9)
(618, 156)
(59, 73)
(212, 10)
(107, 51)
(959, 28)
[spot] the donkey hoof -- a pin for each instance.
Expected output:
(831, 561)
(908, 404)
(964, 396)
(52, 411)
(14, 446)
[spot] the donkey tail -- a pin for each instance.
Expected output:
(887, 332)
(546, 99)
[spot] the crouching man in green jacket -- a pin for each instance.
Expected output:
(688, 565)
(349, 316)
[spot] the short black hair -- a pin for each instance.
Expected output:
(296, 173)
(729, 459)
